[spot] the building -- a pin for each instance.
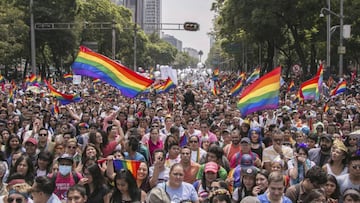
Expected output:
(173, 41)
(132, 4)
(152, 16)
(191, 52)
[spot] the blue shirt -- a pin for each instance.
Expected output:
(263, 199)
(138, 157)
(185, 192)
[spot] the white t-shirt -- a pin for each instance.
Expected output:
(185, 192)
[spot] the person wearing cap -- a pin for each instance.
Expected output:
(234, 176)
(30, 149)
(245, 144)
(66, 177)
(215, 154)
(248, 175)
(277, 149)
(321, 155)
(202, 186)
(351, 179)
(351, 196)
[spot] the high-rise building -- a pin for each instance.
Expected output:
(132, 4)
(173, 41)
(152, 16)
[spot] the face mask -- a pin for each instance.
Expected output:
(64, 170)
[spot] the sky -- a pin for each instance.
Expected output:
(180, 11)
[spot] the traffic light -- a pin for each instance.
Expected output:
(191, 26)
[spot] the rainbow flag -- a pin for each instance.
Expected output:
(216, 74)
(254, 76)
(326, 108)
(32, 78)
(92, 64)
(340, 88)
(96, 81)
(262, 94)
(130, 165)
(320, 73)
(242, 76)
(291, 87)
(55, 108)
(309, 89)
(237, 88)
(11, 95)
(214, 91)
(68, 76)
(64, 99)
(168, 85)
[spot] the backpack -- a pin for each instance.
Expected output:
(74, 175)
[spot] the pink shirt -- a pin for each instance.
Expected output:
(63, 184)
(152, 147)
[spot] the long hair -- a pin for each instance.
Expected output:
(29, 176)
(8, 149)
(336, 193)
(133, 190)
(84, 156)
(98, 178)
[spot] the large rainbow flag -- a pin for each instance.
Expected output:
(340, 88)
(92, 64)
(310, 89)
(130, 165)
(64, 99)
(262, 94)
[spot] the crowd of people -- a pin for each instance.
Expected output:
(193, 147)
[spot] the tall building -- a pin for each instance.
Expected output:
(173, 41)
(132, 4)
(152, 16)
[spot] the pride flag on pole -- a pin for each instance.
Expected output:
(263, 94)
(92, 64)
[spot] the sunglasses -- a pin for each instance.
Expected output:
(356, 166)
(71, 147)
(17, 200)
(42, 135)
(193, 141)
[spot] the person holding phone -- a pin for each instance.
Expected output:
(158, 172)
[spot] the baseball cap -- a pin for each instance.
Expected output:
(245, 140)
(226, 131)
(327, 136)
(246, 161)
(31, 140)
(211, 167)
(252, 170)
(66, 157)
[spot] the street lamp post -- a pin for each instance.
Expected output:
(32, 38)
(341, 48)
